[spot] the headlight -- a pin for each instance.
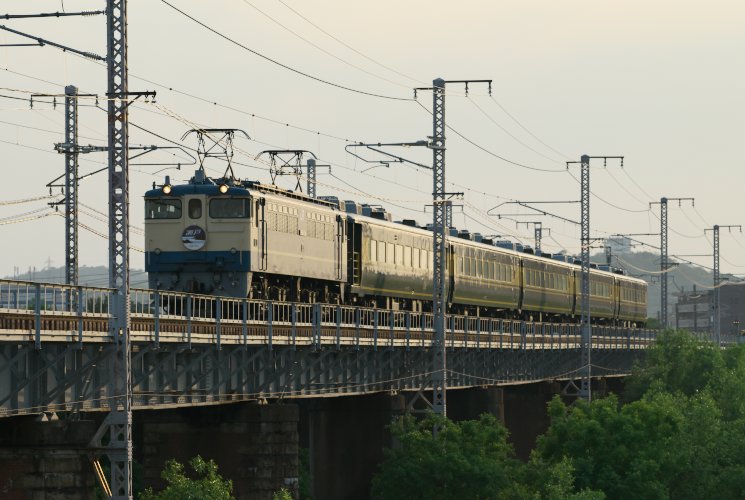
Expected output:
(166, 189)
(223, 188)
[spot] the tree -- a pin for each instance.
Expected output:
(626, 452)
(468, 460)
(208, 485)
(676, 363)
(680, 436)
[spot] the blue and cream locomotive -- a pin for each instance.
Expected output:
(246, 239)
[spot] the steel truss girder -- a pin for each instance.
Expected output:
(64, 378)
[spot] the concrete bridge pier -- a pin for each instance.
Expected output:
(345, 437)
(42, 459)
(255, 445)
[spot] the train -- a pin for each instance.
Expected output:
(238, 238)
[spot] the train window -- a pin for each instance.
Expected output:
(389, 253)
(229, 208)
(479, 268)
(415, 262)
(407, 256)
(163, 209)
(399, 255)
(195, 209)
(381, 251)
(373, 251)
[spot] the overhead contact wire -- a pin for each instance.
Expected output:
(274, 61)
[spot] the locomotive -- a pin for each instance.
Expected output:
(247, 239)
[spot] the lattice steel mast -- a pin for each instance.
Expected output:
(585, 390)
(71, 186)
(120, 417)
(586, 386)
(441, 220)
(664, 255)
(716, 316)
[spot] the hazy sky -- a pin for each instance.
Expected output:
(662, 83)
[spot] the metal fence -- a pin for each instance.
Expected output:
(83, 313)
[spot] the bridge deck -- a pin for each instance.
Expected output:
(56, 347)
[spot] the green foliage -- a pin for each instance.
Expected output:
(676, 363)
(282, 494)
(469, 460)
(653, 323)
(208, 485)
(305, 481)
(680, 436)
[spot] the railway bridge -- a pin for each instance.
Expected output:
(193, 350)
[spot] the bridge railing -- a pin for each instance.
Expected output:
(53, 298)
(84, 313)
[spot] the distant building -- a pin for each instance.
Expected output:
(693, 311)
(732, 303)
(619, 244)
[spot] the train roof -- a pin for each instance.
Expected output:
(211, 187)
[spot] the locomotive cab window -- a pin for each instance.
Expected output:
(163, 209)
(195, 209)
(229, 208)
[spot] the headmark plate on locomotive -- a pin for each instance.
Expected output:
(194, 237)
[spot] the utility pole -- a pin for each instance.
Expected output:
(586, 330)
(71, 186)
(537, 234)
(311, 168)
(440, 210)
(117, 426)
(664, 255)
(716, 316)
(441, 219)
(120, 414)
(118, 423)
